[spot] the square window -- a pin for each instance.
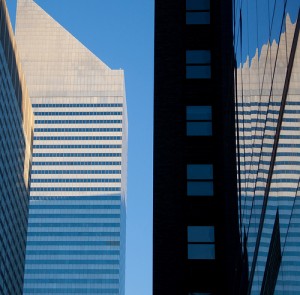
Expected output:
(199, 189)
(200, 171)
(201, 234)
(197, 4)
(201, 251)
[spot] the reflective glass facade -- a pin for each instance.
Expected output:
(267, 50)
(76, 233)
(16, 127)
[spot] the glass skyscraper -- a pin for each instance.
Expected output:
(16, 128)
(267, 49)
(76, 232)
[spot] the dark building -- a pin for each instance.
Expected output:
(196, 239)
(16, 128)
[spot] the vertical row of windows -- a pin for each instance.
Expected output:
(200, 238)
(200, 180)
(197, 12)
(201, 242)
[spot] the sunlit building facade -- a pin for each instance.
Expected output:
(267, 50)
(76, 232)
(16, 129)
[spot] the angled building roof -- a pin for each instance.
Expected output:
(55, 61)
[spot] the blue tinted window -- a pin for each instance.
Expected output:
(201, 171)
(199, 128)
(197, 4)
(198, 56)
(201, 251)
(203, 188)
(198, 18)
(198, 72)
(204, 234)
(198, 112)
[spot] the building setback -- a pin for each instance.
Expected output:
(76, 233)
(268, 116)
(16, 129)
(196, 241)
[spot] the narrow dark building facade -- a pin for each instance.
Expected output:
(196, 240)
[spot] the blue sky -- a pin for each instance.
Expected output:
(120, 33)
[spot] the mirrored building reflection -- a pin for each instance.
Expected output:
(267, 51)
(76, 232)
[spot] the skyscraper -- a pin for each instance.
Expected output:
(76, 233)
(16, 128)
(267, 51)
(196, 241)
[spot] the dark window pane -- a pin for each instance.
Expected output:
(201, 171)
(197, 188)
(198, 72)
(198, 56)
(201, 251)
(199, 129)
(198, 18)
(197, 4)
(202, 113)
(201, 234)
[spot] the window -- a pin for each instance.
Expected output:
(201, 242)
(198, 64)
(197, 12)
(199, 121)
(200, 180)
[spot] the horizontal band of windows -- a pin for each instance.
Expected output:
(76, 154)
(76, 290)
(83, 207)
(73, 261)
(199, 129)
(78, 130)
(72, 271)
(201, 251)
(197, 4)
(73, 234)
(198, 72)
(198, 18)
(78, 121)
(258, 137)
(76, 172)
(78, 146)
(66, 225)
(78, 113)
(72, 252)
(56, 216)
(77, 137)
(200, 188)
(58, 199)
(275, 180)
(73, 189)
(89, 163)
(71, 281)
(87, 180)
(73, 243)
(76, 105)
